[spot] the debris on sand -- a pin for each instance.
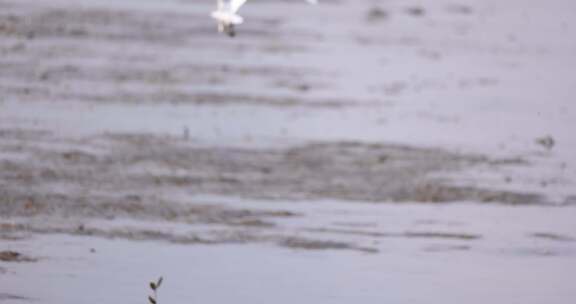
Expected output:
(376, 14)
(13, 256)
(553, 236)
(461, 9)
(309, 244)
(7, 296)
(406, 234)
(415, 11)
(547, 142)
(445, 247)
(443, 235)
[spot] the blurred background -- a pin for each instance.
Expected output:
(352, 151)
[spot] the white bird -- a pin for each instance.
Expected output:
(226, 14)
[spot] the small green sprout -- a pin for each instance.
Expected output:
(155, 286)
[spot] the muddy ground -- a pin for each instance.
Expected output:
(55, 54)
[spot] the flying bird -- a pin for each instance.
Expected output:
(226, 15)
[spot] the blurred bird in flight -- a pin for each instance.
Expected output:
(226, 15)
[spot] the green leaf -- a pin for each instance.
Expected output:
(159, 282)
(152, 300)
(153, 285)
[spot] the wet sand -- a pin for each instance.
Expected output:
(407, 134)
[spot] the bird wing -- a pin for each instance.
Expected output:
(236, 4)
